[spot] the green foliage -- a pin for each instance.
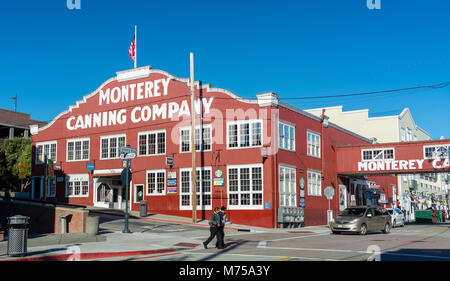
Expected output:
(14, 152)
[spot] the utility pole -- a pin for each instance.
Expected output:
(194, 168)
(15, 102)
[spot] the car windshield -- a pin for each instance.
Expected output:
(354, 212)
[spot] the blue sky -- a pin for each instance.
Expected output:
(52, 56)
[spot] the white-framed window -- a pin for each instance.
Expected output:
(152, 143)
(78, 149)
(45, 149)
(202, 140)
(286, 134)
(378, 154)
(244, 134)
(313, 144)
(438, 151)
(51, 188)
(314, 183)
(402, 134)
(77, 185)
(204, 190)
(245, 187)
(288, 191)
(156, 182)
(110, 146)
(409, 134)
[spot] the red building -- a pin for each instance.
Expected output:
(267, 161)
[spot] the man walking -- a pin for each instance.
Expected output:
(214, 225)
(223, 220)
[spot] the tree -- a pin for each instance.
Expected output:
(13, 153)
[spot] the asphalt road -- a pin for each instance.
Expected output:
(414, 242)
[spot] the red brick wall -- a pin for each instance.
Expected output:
(76, 222)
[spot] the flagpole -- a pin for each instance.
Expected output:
(135, 46)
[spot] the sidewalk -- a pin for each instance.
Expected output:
(112, 244)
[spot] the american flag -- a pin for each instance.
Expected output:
(132, 50)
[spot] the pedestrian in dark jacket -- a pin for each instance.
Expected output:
(223, 220)
(214, 224)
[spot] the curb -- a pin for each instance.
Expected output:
(88, 256)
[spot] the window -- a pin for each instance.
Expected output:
(438, 151)
(245, 187)
(156, 182)
(286, 136)
(78, 150)
(314, 183)
(244, 134)
(202, 141)
(204, 194)
(152, 143)
(45, 149)
(403, 134)
(313, 143)
(409, 135)
(378, 154)
(77, 185)
(287, 187)
(110, 146)
(51, 187)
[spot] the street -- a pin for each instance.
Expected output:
(414, 242)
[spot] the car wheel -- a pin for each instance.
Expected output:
(387, 228)
(403, 223)
(363, 230)
(394, 224)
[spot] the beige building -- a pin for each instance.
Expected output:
(394, 128)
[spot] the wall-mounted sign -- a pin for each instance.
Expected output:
(218, 173)
(302, 183)
(171, 190)
(172, 175)
(219, 182)
(171, 182)
(90, 166)
(302, 203)
(302, 193)
(266, 205)
(169, 161)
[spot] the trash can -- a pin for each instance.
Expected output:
(92, 223)
(64, 221)
(143, 208)
(17, 235)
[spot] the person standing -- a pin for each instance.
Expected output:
(223, 220)
(214, 225)
(443, 215)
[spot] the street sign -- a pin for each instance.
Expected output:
(329, 192)
(90, 166)
(123, 175)
(127, 156)
(126, 150)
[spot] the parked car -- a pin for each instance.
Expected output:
(362, 219)
(397, 217)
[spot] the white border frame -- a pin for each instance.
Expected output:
(152, 132)
(190, 138)
(201, 207)
(239, 122)
(82, 177)
(286, 166)
(377, 160)
(436, 145)
(110, 137)
(36, 160)
(288, 124)
(308, 131)
(74, 140)
(247, 207)
(307, 182)
(156, 181)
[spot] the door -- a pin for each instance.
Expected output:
(370, 219)
(379, 219)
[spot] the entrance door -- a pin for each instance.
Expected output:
(105, 195)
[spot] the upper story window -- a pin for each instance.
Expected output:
(287, 136)
(45, 149)
(409, 134)
(402, 134)
(378, 154)
(244, 134)
(202, 140)
(436, 151)
(78, 150)
(110, 146)
(313, 143)
(152, 143)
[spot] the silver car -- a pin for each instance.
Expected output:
(362, 219)
(397, 217)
